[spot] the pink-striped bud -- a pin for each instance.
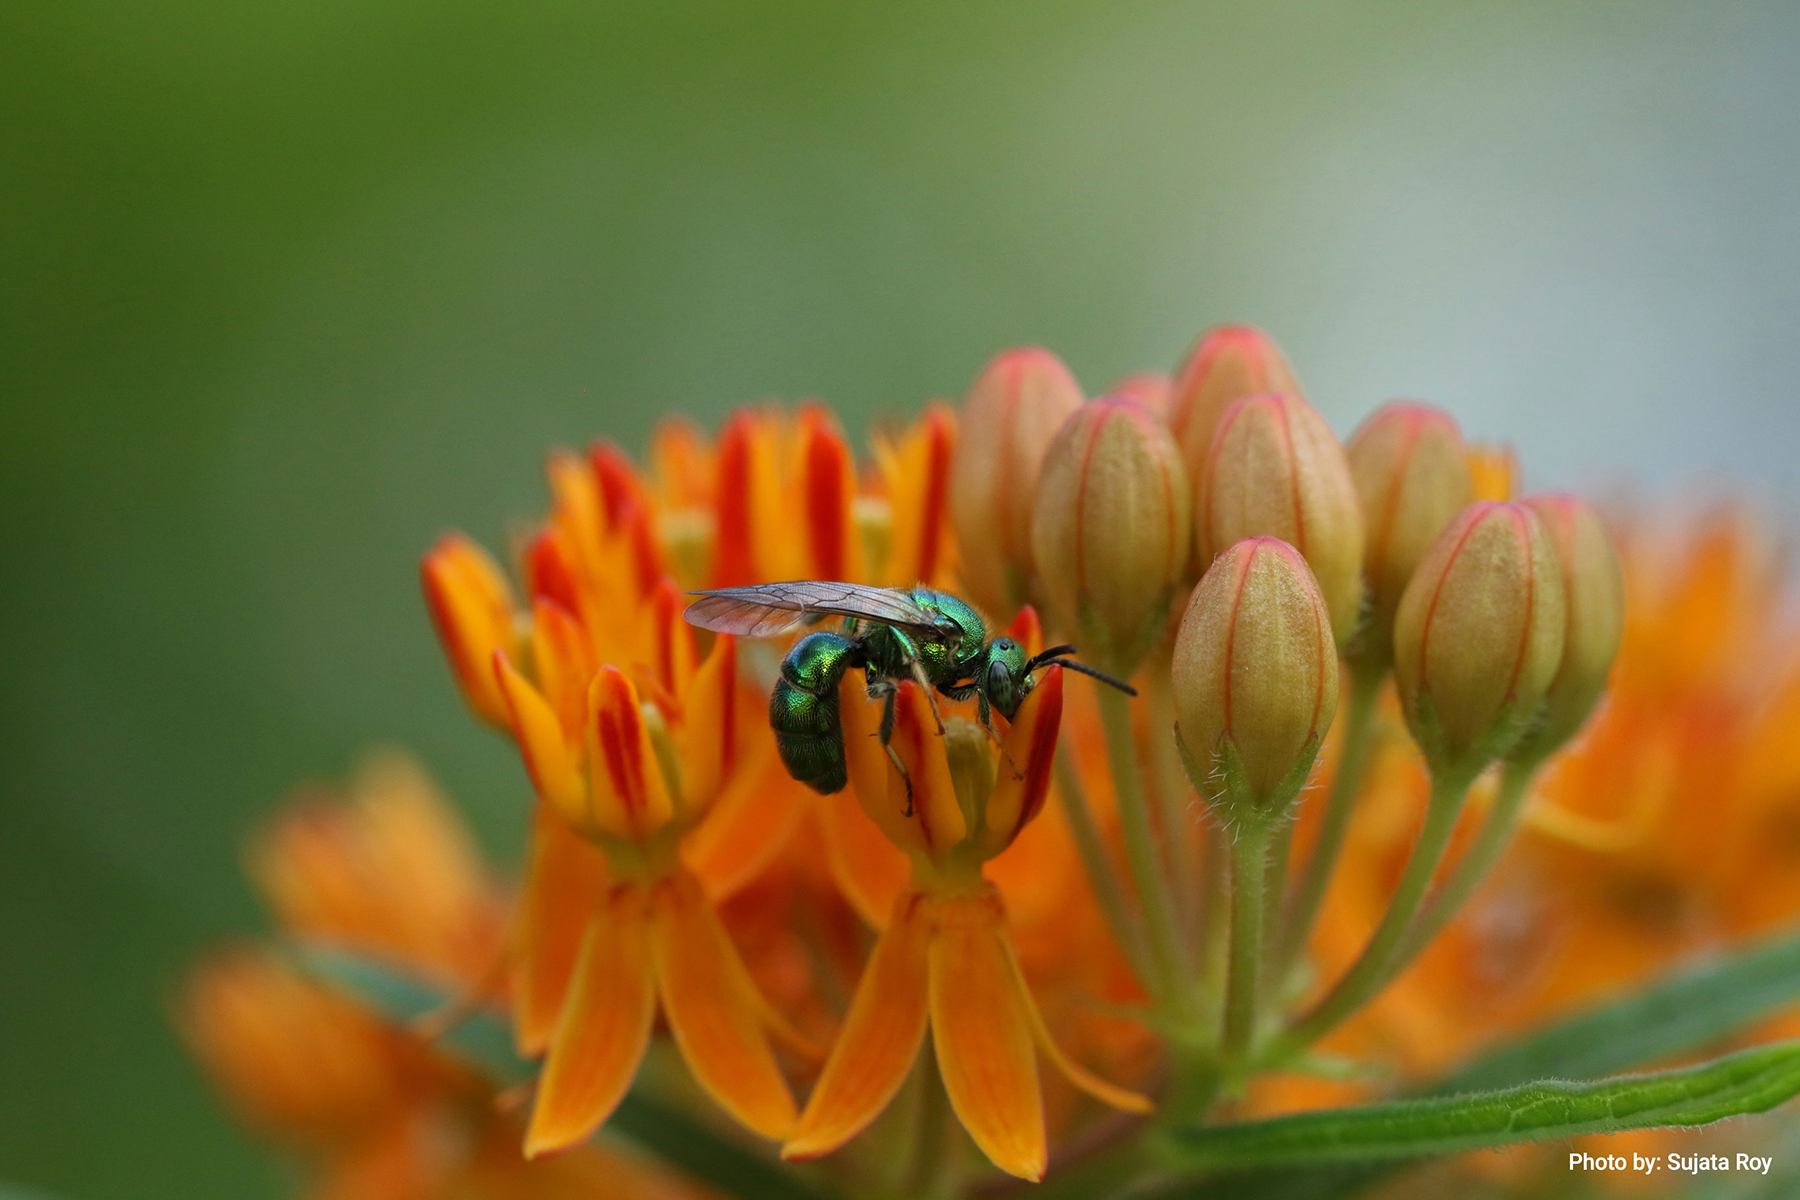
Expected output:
(1276, 469)
(1110, 529)
(1594, 619)
(1255, 678)
(1228, 363)
(1412, 476)
(1479, 635)
(1014, 408)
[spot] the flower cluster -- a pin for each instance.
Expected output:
(1348, 665)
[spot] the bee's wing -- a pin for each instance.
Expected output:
(771, 608)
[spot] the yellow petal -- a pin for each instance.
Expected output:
(670, 639)
(1030, 745)
(626, 793)
(565, 884)
(548, 758)
(938, 815)
(602, 1032)
(867, 765)
(471, 606)
(983, 1036)
(562, 659)
(879, 1041)
(708, 736)
(1107, 1093)
(715, 1022)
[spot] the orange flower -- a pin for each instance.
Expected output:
(375, 1110)
(944, 959)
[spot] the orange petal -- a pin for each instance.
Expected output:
(565, 884)
(681, 463)
(617, 477)
(865, 762)
(936, 812)
(708, 735)
(752, 822)
(548, 758)
(868, 869)
(745, 500)
(704, 995)
(1107, 1093)
(603, 1031)
(983, 1036)
(472, 607)
(1030, 745)
(550, 571)
(671, 639)
(879, 1041)
(828, 490)
(916, 473)
(1027, 630)
(562, 658)
(575, 508)
(626, 792)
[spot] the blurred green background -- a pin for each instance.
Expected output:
(287, 289)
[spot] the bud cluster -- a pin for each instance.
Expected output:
(1499, 619)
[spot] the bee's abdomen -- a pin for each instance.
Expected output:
(803, 710)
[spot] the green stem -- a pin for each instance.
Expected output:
(1249, 862)
(1467, 875)
(1215, 943)
(1109, 891)
(1167, 954)
(1353, 764)
(1371, 969)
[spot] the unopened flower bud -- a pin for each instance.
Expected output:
(1014, 408)
(1228, 363)
(1110, 529)
(1152, 389)
(1412, 476)
(1276, 469)
(1479, 635)
(1255, 678)
(1593, 620)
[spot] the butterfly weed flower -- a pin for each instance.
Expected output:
(1044, 887)
(368, 1105)
(944, 960)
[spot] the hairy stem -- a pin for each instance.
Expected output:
(1468, 873)
(1249, 862)
(1373, 966)
(1353, 763)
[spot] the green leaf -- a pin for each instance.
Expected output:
(1746, 1082)
(1679, 1014)
(654, 1126)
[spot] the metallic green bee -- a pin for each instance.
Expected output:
(932, 637)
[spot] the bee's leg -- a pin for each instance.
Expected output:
(924, 682)
(985, 713)
(886, 732)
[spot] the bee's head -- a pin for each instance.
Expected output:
(1005, 679)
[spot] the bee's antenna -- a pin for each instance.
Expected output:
(1055, 655)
